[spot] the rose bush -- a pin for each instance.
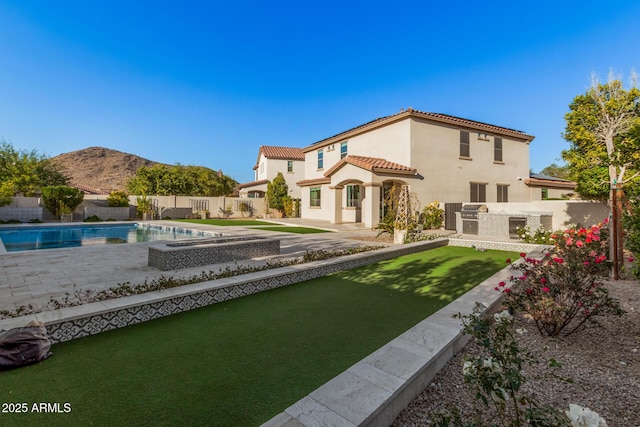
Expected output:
(564, 290)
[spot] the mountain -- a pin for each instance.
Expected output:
(100, 170)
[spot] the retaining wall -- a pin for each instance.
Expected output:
(174, 256)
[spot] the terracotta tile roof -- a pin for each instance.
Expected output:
(281, 153)
(315, 181)
(373, 164)
(253, 183)
(410, 112)
(89, 190)
(557, 183)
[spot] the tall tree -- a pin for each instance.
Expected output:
(557, 171)
(162, 180)
(277, 192)
(603, 128)
(26, 172)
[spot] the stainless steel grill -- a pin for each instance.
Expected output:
(472, 211)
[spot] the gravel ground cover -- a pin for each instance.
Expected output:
(603, 362)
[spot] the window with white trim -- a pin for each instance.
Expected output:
(320, 159)
(353, 196)
(314, 197)
(343, 150)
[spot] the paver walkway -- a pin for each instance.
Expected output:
(33, 277)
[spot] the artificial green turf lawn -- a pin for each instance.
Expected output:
(292, 229)
(241, 362)
(226, 222)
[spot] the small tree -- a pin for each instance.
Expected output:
(277, 192)
(61, 199)
(603, 128)
(144, 205)
(118, 199)
(288, 205)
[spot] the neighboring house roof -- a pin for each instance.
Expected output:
(373, 164)
(281, 153)
(253, 183)
(540, 180)
(88, 190)
(436, 117)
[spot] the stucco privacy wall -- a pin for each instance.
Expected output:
(9, 213)
(565, 212)
(119, 214)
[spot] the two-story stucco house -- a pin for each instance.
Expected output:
(271, 160)
(442, 158)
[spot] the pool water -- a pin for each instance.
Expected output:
(51, 237)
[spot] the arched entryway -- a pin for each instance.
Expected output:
(351, 199)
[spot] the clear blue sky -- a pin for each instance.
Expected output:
(207, 83)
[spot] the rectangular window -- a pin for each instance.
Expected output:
(545, 193)
(353, 196)
(320, 159)
(464, 144)
(343, 150)
(497, 149)
(289, 165)
(503, 193)
(478, 193)
(314, 197)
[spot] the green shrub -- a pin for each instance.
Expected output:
(540, 236)
(61, 199)
(118, 199)
(93, 218)
(433, 216)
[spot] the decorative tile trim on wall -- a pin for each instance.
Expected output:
(498, 246)
(178, 256)
(159, 305)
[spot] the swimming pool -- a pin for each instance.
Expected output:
(50, 237)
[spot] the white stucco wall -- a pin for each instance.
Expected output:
(436, 154)
(312, 212)
(388, 142)
(269, 168)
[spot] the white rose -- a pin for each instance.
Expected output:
(584, 417)
(503, 316)
(467, 368)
